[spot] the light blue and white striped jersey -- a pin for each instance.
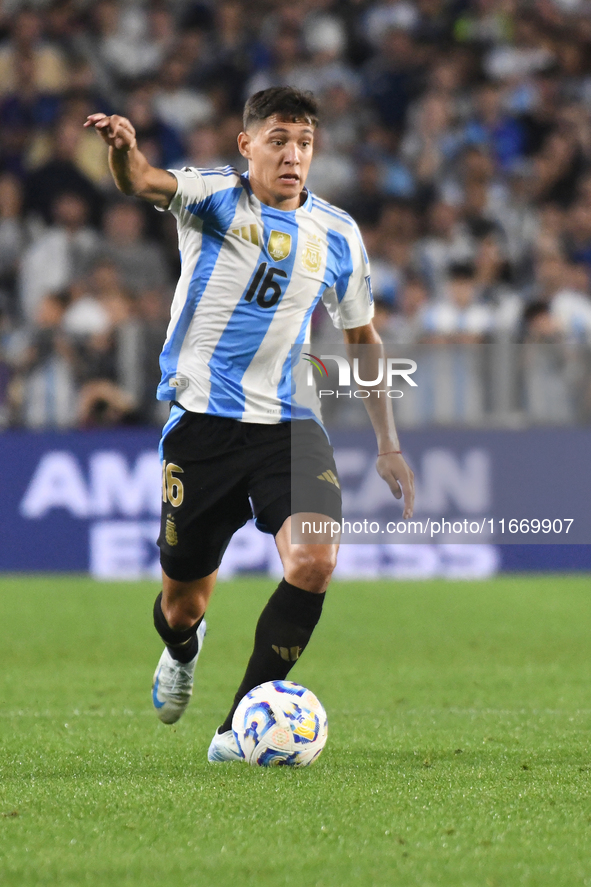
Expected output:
(250, 279)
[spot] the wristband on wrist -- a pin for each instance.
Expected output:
(389, 453)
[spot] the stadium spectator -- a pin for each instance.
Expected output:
(448, 241)
(540, 325)
(140, 263)
(13, 239)
(397, 234)
(102, 404)
(526, 54)
(62, 172)
(287, 65)
(26, 108)
(458, 317)
(494, 128)
(159, 142)
(26, 41)
(343, 123)
(578, 235)
(393, 77)
(177, 105)
(495, 287)
(202, 144)
(133, 40)
(365, 199)
(565, 289)
(332, 171)
(84, 314)
(48, 391)
(431, 141)
(62, 253)
(407, 324)
(395, 14)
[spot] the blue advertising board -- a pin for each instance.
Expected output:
(60, 489)
(90, 501)
(505, 487)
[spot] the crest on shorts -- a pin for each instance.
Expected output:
(312, 255)
(171, 534)
(279, 245)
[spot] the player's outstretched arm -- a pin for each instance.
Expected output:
(390, 465)
(132, 173)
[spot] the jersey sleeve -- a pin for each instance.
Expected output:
(200, 192)
(349, 301)
(191, 188)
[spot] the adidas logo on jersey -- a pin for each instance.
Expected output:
(247, 232)
(330, 477)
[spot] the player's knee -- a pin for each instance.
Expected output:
(180, 618)
(311, 567)
(183, 611)
(180, 621)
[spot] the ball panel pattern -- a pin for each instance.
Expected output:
(280, 723)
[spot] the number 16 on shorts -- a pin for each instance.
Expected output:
(172, 486)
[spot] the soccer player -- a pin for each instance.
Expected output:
(257, 251)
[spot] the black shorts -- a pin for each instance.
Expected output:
(214, 468)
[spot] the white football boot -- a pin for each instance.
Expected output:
(172, 686)
(224, 748)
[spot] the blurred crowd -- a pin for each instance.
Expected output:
(456, 132)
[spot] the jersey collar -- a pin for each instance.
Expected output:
(307, 204)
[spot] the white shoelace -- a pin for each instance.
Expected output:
(181, 680)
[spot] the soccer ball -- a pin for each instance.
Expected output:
(280, 723)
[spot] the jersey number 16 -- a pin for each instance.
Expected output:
(269, 291)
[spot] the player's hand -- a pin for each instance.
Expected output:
(393, 469)
(116, 131)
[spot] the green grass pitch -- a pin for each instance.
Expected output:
(459, 741)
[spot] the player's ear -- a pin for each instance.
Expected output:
(244, 140)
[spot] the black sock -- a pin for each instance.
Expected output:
(284, 628)
(182, 645)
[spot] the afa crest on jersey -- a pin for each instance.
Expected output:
(312, 255)
(279, 245)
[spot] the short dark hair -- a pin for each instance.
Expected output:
(535, 310)
(462, 271)
(293, 105)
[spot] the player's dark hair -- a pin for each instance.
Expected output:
(288, 103)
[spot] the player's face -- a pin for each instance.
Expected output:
(279, 155)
